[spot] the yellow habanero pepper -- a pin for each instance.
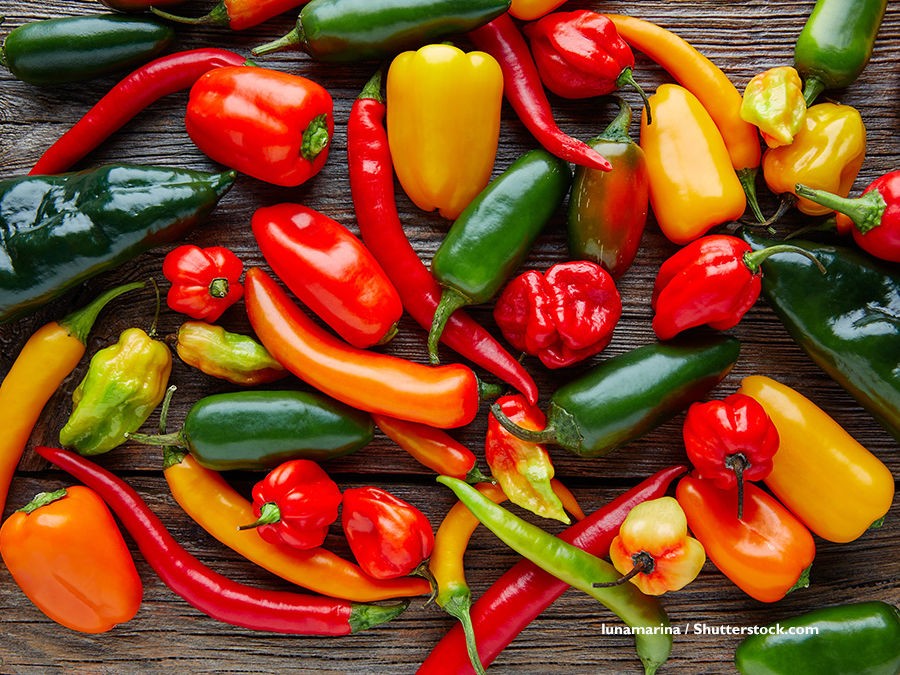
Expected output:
(821, 473)
(826, 154)
(443, 124)
(693, 185)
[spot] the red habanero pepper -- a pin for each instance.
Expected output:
(210, 592)
(330, 271)
(388, 536)
(525, 590)
(714, 280)
(205, 281)
(563, 316)
(235, 14)
(730, 441)
(372, 189)
(523, 89)
(274, 126)
(873, 218)
(294, 504)
(144, 86)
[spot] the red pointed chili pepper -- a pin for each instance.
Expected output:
(235, 14)
(205, 281)
(294, 504)
(730, 441)
(714, 280)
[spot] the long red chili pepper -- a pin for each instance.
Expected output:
(524, 90)
(147, 84)
(372, 188)
(208, 591)
(524, 591)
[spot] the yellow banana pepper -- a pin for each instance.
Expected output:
(443, 124)
(826, 154)
(821, 473)
(773, 101)
(693, 185)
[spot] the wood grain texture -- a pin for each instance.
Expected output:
(168, 635)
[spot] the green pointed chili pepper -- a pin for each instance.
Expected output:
(494, 234)
(643, 614)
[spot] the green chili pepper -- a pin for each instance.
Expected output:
(578, 568)
(357, 30)
(261, 429)
(493, 235)
(836, 43)
(626, 396)
(124, 383)
(239, 359)
(72, 49)
(847, 321)
(57, 231)
(861, 638)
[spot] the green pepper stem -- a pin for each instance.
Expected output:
(218, 16)
(811, 89)
(152, 331)
(458, 605)
(171, 454)
(617, 131)
(390, 335)
(802, 580)
(373, 87)
(865, 211)
(627, 77)
(293, 40)
(451, 300)
(488, 390)
(269, 514)
(747, 178)
(753, 259)
(80, 322)
(175, 438)
(315, 138)
(42, 499)
(476, 476)
(547, 435)
(364, 616)
(218, 287)
(738, 463)
(643, 564)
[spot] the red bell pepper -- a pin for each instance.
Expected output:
(205, 281)
(563, 316)
(873, 218)
(730, 441)
(714, 280)
(270, 125)
(294, 505)
(388, 536)
(580, 54)
(330, 271)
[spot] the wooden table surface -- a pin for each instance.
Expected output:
(743, 38)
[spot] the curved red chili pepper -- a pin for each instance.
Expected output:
(147, 84)
(524, 90)
(206, 590)
(431, 447)
(372, 189)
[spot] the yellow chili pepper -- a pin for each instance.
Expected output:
(529, 10)
(773, 101)
(693, 186)
(821, 473)
(443, 124)
(826, 154)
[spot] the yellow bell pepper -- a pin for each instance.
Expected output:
(693, 185)
(529, 10)
(443, 124)
(773, 101)
(826, 154)
(821, 473)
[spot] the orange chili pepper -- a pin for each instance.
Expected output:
(439, 396)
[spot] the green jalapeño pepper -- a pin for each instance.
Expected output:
(861, 638)
(835, 44)
(357, 30)
(233, 357)
(124, 383)
(494, 233)
(57, 231)
(261, 429)
(847, 320)
(626, 396)
(72, 49)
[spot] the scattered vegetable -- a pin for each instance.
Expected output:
(773, 102)
(205, 281)
(237, 358)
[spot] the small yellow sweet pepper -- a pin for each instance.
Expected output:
(827, 154)
(773, 101)
(443, 124)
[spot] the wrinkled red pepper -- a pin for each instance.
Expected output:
(563, 316)
(205, 281)
(714, 280)
(580, 54)
(294, 504)
(388, 536)
(267, 124)
(730, 441)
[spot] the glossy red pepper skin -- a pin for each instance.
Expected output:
(372, 190)
(431, 447)
(235, 14)
(525, 590)
(563, 316)
(267, 124)
(388, 536)
(147, 84)
(330, 271)
(295, 504)
(205, 281)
